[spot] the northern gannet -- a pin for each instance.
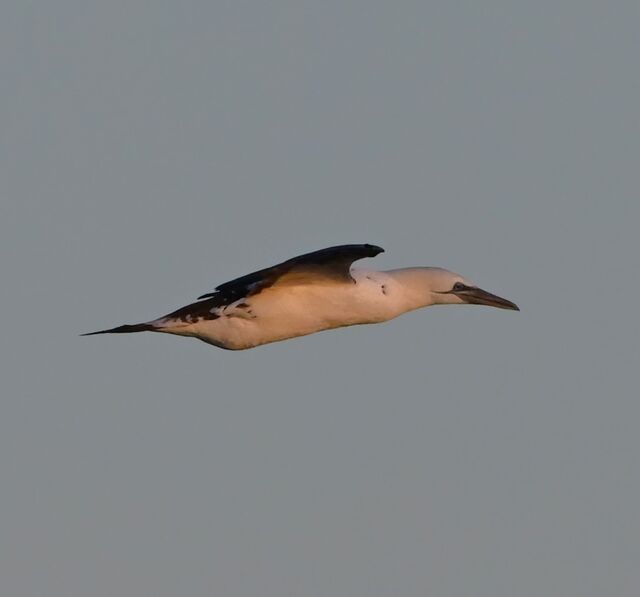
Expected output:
(310, 293)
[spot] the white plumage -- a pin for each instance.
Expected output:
(313, 292)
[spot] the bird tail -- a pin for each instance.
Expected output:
(125, 329)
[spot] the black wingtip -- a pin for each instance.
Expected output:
(375, 249)
(124, 329)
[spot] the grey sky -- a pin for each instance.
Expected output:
(150, 151)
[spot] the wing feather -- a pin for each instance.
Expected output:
(331, 264)
(327, 265)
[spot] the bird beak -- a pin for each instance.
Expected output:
(477, 296)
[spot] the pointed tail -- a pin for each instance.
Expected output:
(125, 329)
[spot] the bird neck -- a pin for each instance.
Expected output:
(415, 285)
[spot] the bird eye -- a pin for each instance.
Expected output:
(458, 286)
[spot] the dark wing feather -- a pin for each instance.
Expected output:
(206, 309)
(332, 264)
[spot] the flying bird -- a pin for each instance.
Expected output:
(310, 293)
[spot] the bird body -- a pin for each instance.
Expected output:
(307, 294)
(275, 315)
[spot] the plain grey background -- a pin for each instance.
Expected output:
(151, 150)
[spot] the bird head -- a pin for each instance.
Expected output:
(449, 288)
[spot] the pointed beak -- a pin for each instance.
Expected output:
(477, 296)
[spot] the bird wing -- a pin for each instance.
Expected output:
(331, 265)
